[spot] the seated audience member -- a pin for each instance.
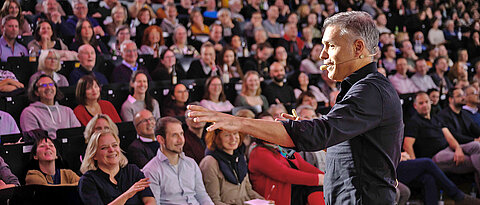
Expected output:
(251, 93)
(89, 103)
(214, 97)
(402, 83)
(458, 73)
(46, 170)
(252, 25)
(424, 171)
(182, 184)
(229, 26)
(8, 82)
(280, 55)
(311, 65)
(239, 46)
(301, 83)
(434, 138)
(123, 72)
(45, 38)
(434, 96)
(80, 11)
(8, 42)
(45, 113)
(98, 123)
(282, 175)
(408, 53)
(292, 43)
(119, 19)
(273, 28)
(49, 64)
(171, 22)
(134, 9)
(9, 126)
(85, 34)
(152, 41)
(180, 44)
(194, 138)
(107, 176)
(165, 67)
(103, 9)
(421, 80)
(471, 102)
(328, 86)
(216, 37)
(144, 20)
(258, 62)
(13, 8)
(175, 103)
(308, 98)
(229, 58)
(439, 76)
(276, 110)
(318, 158)
(121, 34)
(51, 10)
(145, 146)
(139, 98)
(224, 169)
(87, 59)
(7, 178)
(198, 28)
(278, 91)
(389, 61)
(205, 66)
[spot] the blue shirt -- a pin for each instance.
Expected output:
(6, 50)
(179, 184)
(363, 133)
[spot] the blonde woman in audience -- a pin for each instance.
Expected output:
(89, 103)
(44, 155)
(250, 95)
(99, 123)
(107, 176)
(49, 64)
(140, 98)
(224, 169)
(121, 34)
(119, 18)
(139, 4)
(12, 7)
(214, 97)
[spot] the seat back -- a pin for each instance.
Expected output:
(22, 67)
(17, 156)
(126, 133)
(71, 146)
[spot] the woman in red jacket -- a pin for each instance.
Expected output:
(281, 175)
(89, 103)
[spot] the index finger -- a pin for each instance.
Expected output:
(196, 108)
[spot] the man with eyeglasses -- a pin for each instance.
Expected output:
(145, 147)
(472, 101)
(87, 58)
(45, 113)
(80, 11)
(123, 72)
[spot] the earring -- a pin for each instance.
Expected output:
(361, 56)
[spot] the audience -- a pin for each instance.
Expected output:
(139, 98)
(9, 83)
(8, 42)
(152, 41)
(107, 176)
(214, 97)
(9, 126)
(49, 64)
(13, 8)
(311, 64)
(46, 38)
(85, 34)
(194, 140)
(44, 112)
(225, 170)
(180, 46)
(228, 57)
(44, 157)
(174, 177)
(123, 72)
(80, 11)
(87, 95)
(7, 178)
(471, 102)
(301, 83)
(145, 146)
(278, 91)
(198, 28)
(205, 66)
(175, 103)
(402, 83)
(99, 122)
(421, 80)
(171, 22)
(122, 34)
(119, 18)
(168, 68)
(251, 93)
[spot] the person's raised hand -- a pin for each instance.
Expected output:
(220, 120)
(140, 185)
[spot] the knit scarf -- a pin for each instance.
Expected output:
(233, 167)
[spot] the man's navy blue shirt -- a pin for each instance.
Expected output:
(363, 133)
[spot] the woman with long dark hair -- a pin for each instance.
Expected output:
(214, 97)
(140, 98)
(84, 34)
(12, 7)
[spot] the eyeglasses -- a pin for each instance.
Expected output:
(152, 119)
(44, 85)
(52, 59)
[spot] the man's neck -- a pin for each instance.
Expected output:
(10, 42)
(439, 73)
(48, 102)
(278, 83)
(197, 131)
(172, 157)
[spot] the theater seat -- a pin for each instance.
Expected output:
(116, 93)
(15, 105)
(126, 133)
(17, 156)
(69, 97)
(22, 67)
(71, 147)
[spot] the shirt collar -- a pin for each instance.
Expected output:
(134, 68)
(164, 158)
(145, 139)
(131, 99)
(473, 110)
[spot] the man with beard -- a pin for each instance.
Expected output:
(145, 147)
(174, 177)
(277, 91)
(363, 131)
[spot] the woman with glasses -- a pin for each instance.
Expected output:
(49, 64)
(45, 112)
(89, 103)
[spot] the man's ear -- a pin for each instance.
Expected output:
(359, 46)
(160, 139)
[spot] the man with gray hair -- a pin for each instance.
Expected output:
(122, 73)
(363, 131)
(80, 11)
